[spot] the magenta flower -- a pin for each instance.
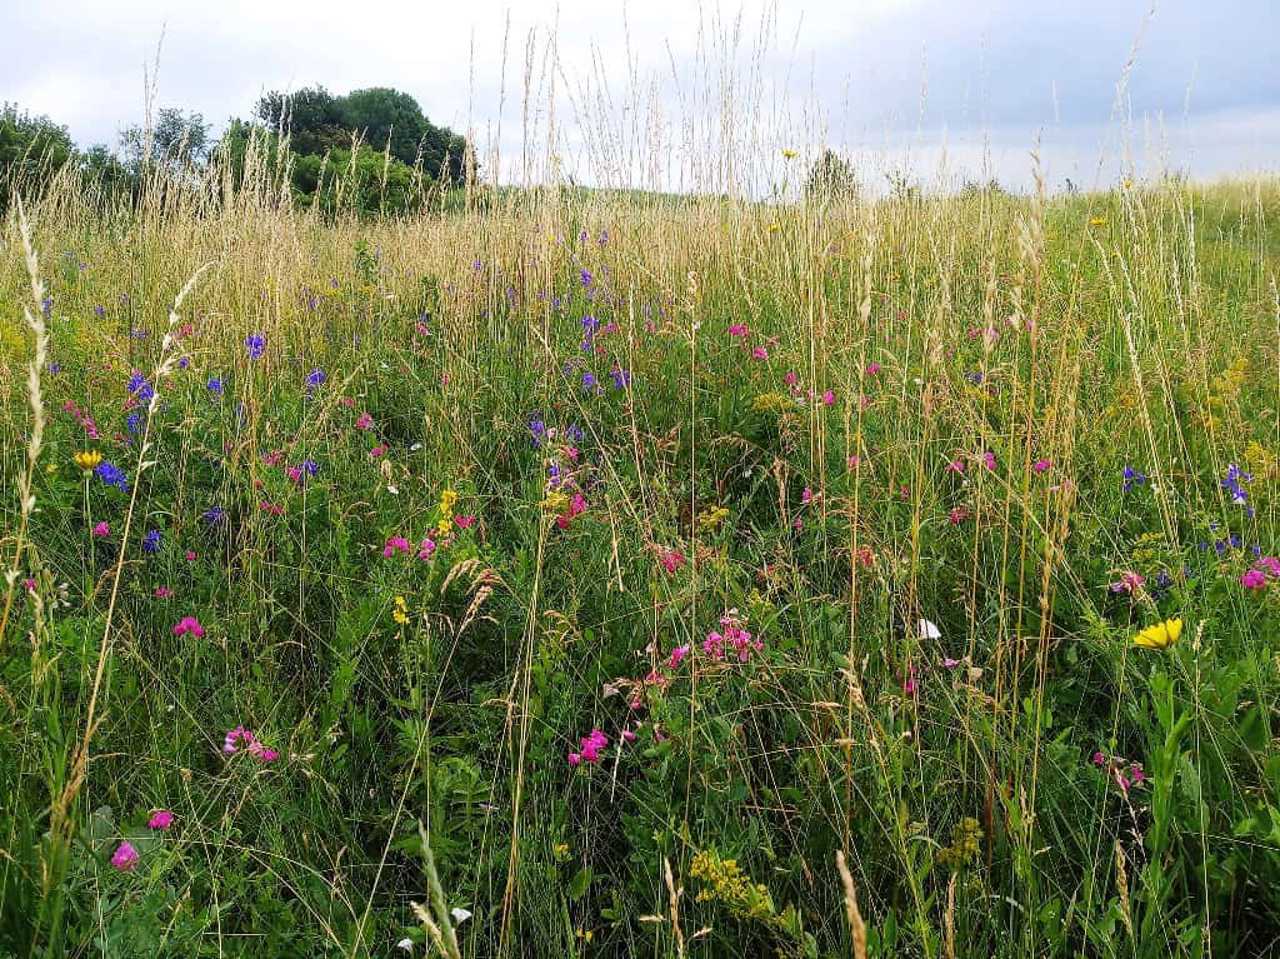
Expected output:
(677, 656)
(464, 522)
(396, 544)
(188, 624)
(670, 559)
(1041, 466)
(364, 422)
(873, 369)
(792, 378)
(575, 759)
(760, 353)
(738, 329)
(426, 548)
(163, 592)
(161, 819)
(593, 744)
(955, 466)
(191, 556)
(1254, 579)
(1099, 759)
(628, 736)
(240, 736)
(102, 530)
(125, 857)
(829, 398)
(1129, 582)
(989, 460)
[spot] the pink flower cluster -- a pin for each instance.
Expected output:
(399, 544)
(1129, 582)
(1266, 569)
(670, 559)
(591, 745)
(577, 506)
(188, 624)
(83, 418)
(734, 638)
(1125, 774)
(239, 736)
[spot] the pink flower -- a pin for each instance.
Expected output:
(671, 559)
(235, 737)
(873, 369)
(760, 353)
(958, 515)
(160, 819)
(1099, 759)
(1270, 565)
(188, 624)
(295, 474)
(677, 656)
(949, 663)
(125, 857)
(364, 422)
(628, 736)
(738, 329)
(955, 466)
(102, 530)
(396, 544)
(909, 685)
(791, 379)
(163, 592)
(426, 548)
(377, 452)
(575, 759)
(989, 460)
(593, 744)
(464, 522)
(191, 556)
(1254, 579)
(1041, 466)
(1137, 773)
(30, 584)
(829, 398)
(1129, 582)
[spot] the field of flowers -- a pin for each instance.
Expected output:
(582, 575)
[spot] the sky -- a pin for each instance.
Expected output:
(674, 94)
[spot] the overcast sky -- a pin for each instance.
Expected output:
(946, 87)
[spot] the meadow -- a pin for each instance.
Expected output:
(588, 574)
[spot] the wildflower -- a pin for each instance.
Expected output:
(161, 819)
(738, 329)
(395, 544)
(465, 522)
(1254, 579)
(188, 624)
(364, 422)
(957, 515)
(989, 460)
(316, 378)
(426, 548)
(628, 736)
(588, 380)
(102, 530)
(829, 398)
(1132, 478)
(162, 592)
(1042, 465)
(400, 612)
(873, 369)
(671, 559)
(928, 630)
(236, 737)
(214, 515)
(909, 685)
(214, 385)
(256, 344)
(1160, 636)
(1234, 483)
(88, 460)
(125, 857)
(592, 745)
(1099, 759)
(152, 541)
(760, 353)
(1129, 582)
(955, 466)
(677, 657)
(1097, 221)
(621, 378)
(112, 475)
(139, 388)
(191, 556)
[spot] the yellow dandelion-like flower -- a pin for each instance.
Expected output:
(789, 154)
(1097, 221)
(88, 460)
(1161, 636)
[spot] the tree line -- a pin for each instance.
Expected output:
(376, 142)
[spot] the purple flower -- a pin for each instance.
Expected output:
(151, 542)
(256, 344)
(112, 475)
(316, 378)
(588, 380)
(621, 378)
(214, 385)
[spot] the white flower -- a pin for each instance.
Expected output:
(406, 944)
(459, 914)
(929, 631)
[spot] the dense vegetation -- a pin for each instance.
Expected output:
(371, 151)
(584, 574)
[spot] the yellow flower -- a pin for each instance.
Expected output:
(447, 498)
(1161, 636)
(713, 518)
(789, 154)
(88, 460)
(1097, 221)
(774, 228)
(401, 612)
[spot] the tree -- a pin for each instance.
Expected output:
(177, 139)
(311, 118)
(831, 177)
(384, 119)
(32, 150)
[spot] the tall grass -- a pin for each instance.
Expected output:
(912, 441)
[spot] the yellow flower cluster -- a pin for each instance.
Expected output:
(966, 845)
(726, 884)
(400, 613)
(771, 403)
(713, 518)
(448, 499)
